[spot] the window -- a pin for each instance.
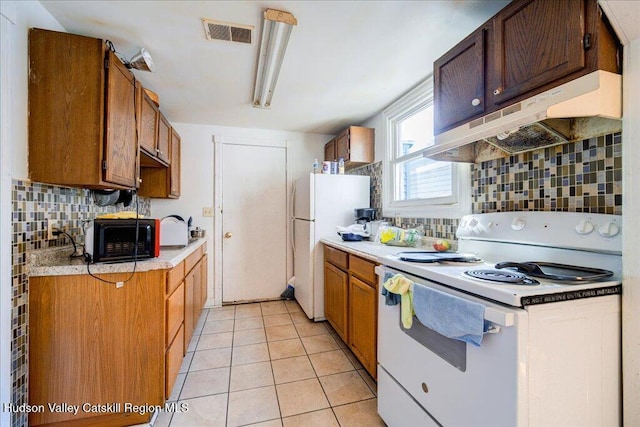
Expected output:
(415, 185)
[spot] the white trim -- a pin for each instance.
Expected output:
(217, 221)
(455, 206)
(5, 209)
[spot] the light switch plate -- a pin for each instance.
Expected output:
(207, 211)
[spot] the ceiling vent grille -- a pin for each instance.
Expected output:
(218, 30)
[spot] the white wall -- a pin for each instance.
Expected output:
(17, 17)
(197, 176)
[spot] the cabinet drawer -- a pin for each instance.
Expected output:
(363, 269)
(193, 259)
(173, 361)
(174, 277)
(336, 257)
(174, 313)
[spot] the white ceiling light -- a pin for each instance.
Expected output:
(276, 30)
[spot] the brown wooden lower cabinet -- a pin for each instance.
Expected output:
(91, 343)
(336, 284)
(351, 302)
(173, 361)
(362, 323)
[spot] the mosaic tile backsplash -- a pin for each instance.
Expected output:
(584, 176)
(33, 205)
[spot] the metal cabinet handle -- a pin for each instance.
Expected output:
(475, 102)
(497, 91)
(227, 235)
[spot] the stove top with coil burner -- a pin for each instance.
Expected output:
(501, 276)
(562, 243)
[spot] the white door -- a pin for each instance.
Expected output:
(254, 222)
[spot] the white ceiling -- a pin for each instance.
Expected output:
(346, 60)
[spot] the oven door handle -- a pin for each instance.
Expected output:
(499, 317)
(494, 315)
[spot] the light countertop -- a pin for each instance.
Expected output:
(371, 250)
(56, 261)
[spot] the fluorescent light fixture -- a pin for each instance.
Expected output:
(276, 30)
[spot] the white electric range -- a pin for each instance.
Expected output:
(551, 354)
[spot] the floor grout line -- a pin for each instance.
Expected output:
(328, 331)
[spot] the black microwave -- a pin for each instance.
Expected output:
(114, 240)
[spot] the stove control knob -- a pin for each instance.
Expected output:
(584, 227)
(518, 223)
(608, 229)
(473, 222)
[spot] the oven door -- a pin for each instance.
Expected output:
(456, 383)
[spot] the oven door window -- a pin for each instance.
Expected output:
(451, 351)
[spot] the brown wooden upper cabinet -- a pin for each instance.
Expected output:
(355, 145)
(459, 81)
(164, 139)
(528, 47)
(163, 182)
(82, 128)
(330, 154)
(153, 132)
(174, 169)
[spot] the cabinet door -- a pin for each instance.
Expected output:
(330, 151)
(164, 138)
(174, 167)
(148, 131)
(459, 82)
(203, 281)
(342, 145)
(362, 323)
(197, 297)
(336, 284)
(536, 42)
(189, 308)
(120, 153)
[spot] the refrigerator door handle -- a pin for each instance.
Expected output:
(293, 201)
(293, 235)
(293, 219)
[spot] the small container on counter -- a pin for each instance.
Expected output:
(326, 167)
(334, 168)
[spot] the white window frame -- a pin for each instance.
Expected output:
(458, 204)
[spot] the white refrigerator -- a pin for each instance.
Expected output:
(320, 203)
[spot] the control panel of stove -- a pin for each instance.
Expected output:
(575, 230)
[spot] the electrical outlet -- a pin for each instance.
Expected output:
(207, 211)
(51, 225)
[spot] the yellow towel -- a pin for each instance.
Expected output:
(399, 284)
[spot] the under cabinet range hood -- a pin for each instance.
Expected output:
(583, 108)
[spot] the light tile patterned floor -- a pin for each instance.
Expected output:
(267, 364)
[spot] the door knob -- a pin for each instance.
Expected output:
(227, 235)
